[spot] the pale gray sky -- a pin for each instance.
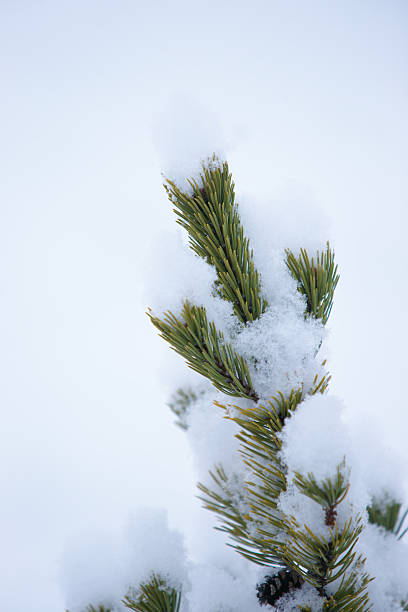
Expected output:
(312, 97)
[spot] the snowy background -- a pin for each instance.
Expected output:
(311, 100)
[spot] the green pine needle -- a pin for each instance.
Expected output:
(180, 403)
(321, 560)
(328, 494)
(351, 595)
(317, 280)
(205, 350)
(387, 513)
(227, 500)
(255, 533)
(155, 596)
(210, 216)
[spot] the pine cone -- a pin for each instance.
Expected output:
(275, 586)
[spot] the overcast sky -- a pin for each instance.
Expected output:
(311, 97)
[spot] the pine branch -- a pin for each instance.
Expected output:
(210, 216)
(260, 443)
(319, 560)
(228, 501)
(387, 513)
(255, 533)
(260, 427)
(317, 280)
(260, 531)
(328, 494)
(180, 403)
(206, 351)
(351, 596)
(154, 596)
(320, 386)
(323, 559)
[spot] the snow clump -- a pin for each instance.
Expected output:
(102, 568)
(186, 135)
